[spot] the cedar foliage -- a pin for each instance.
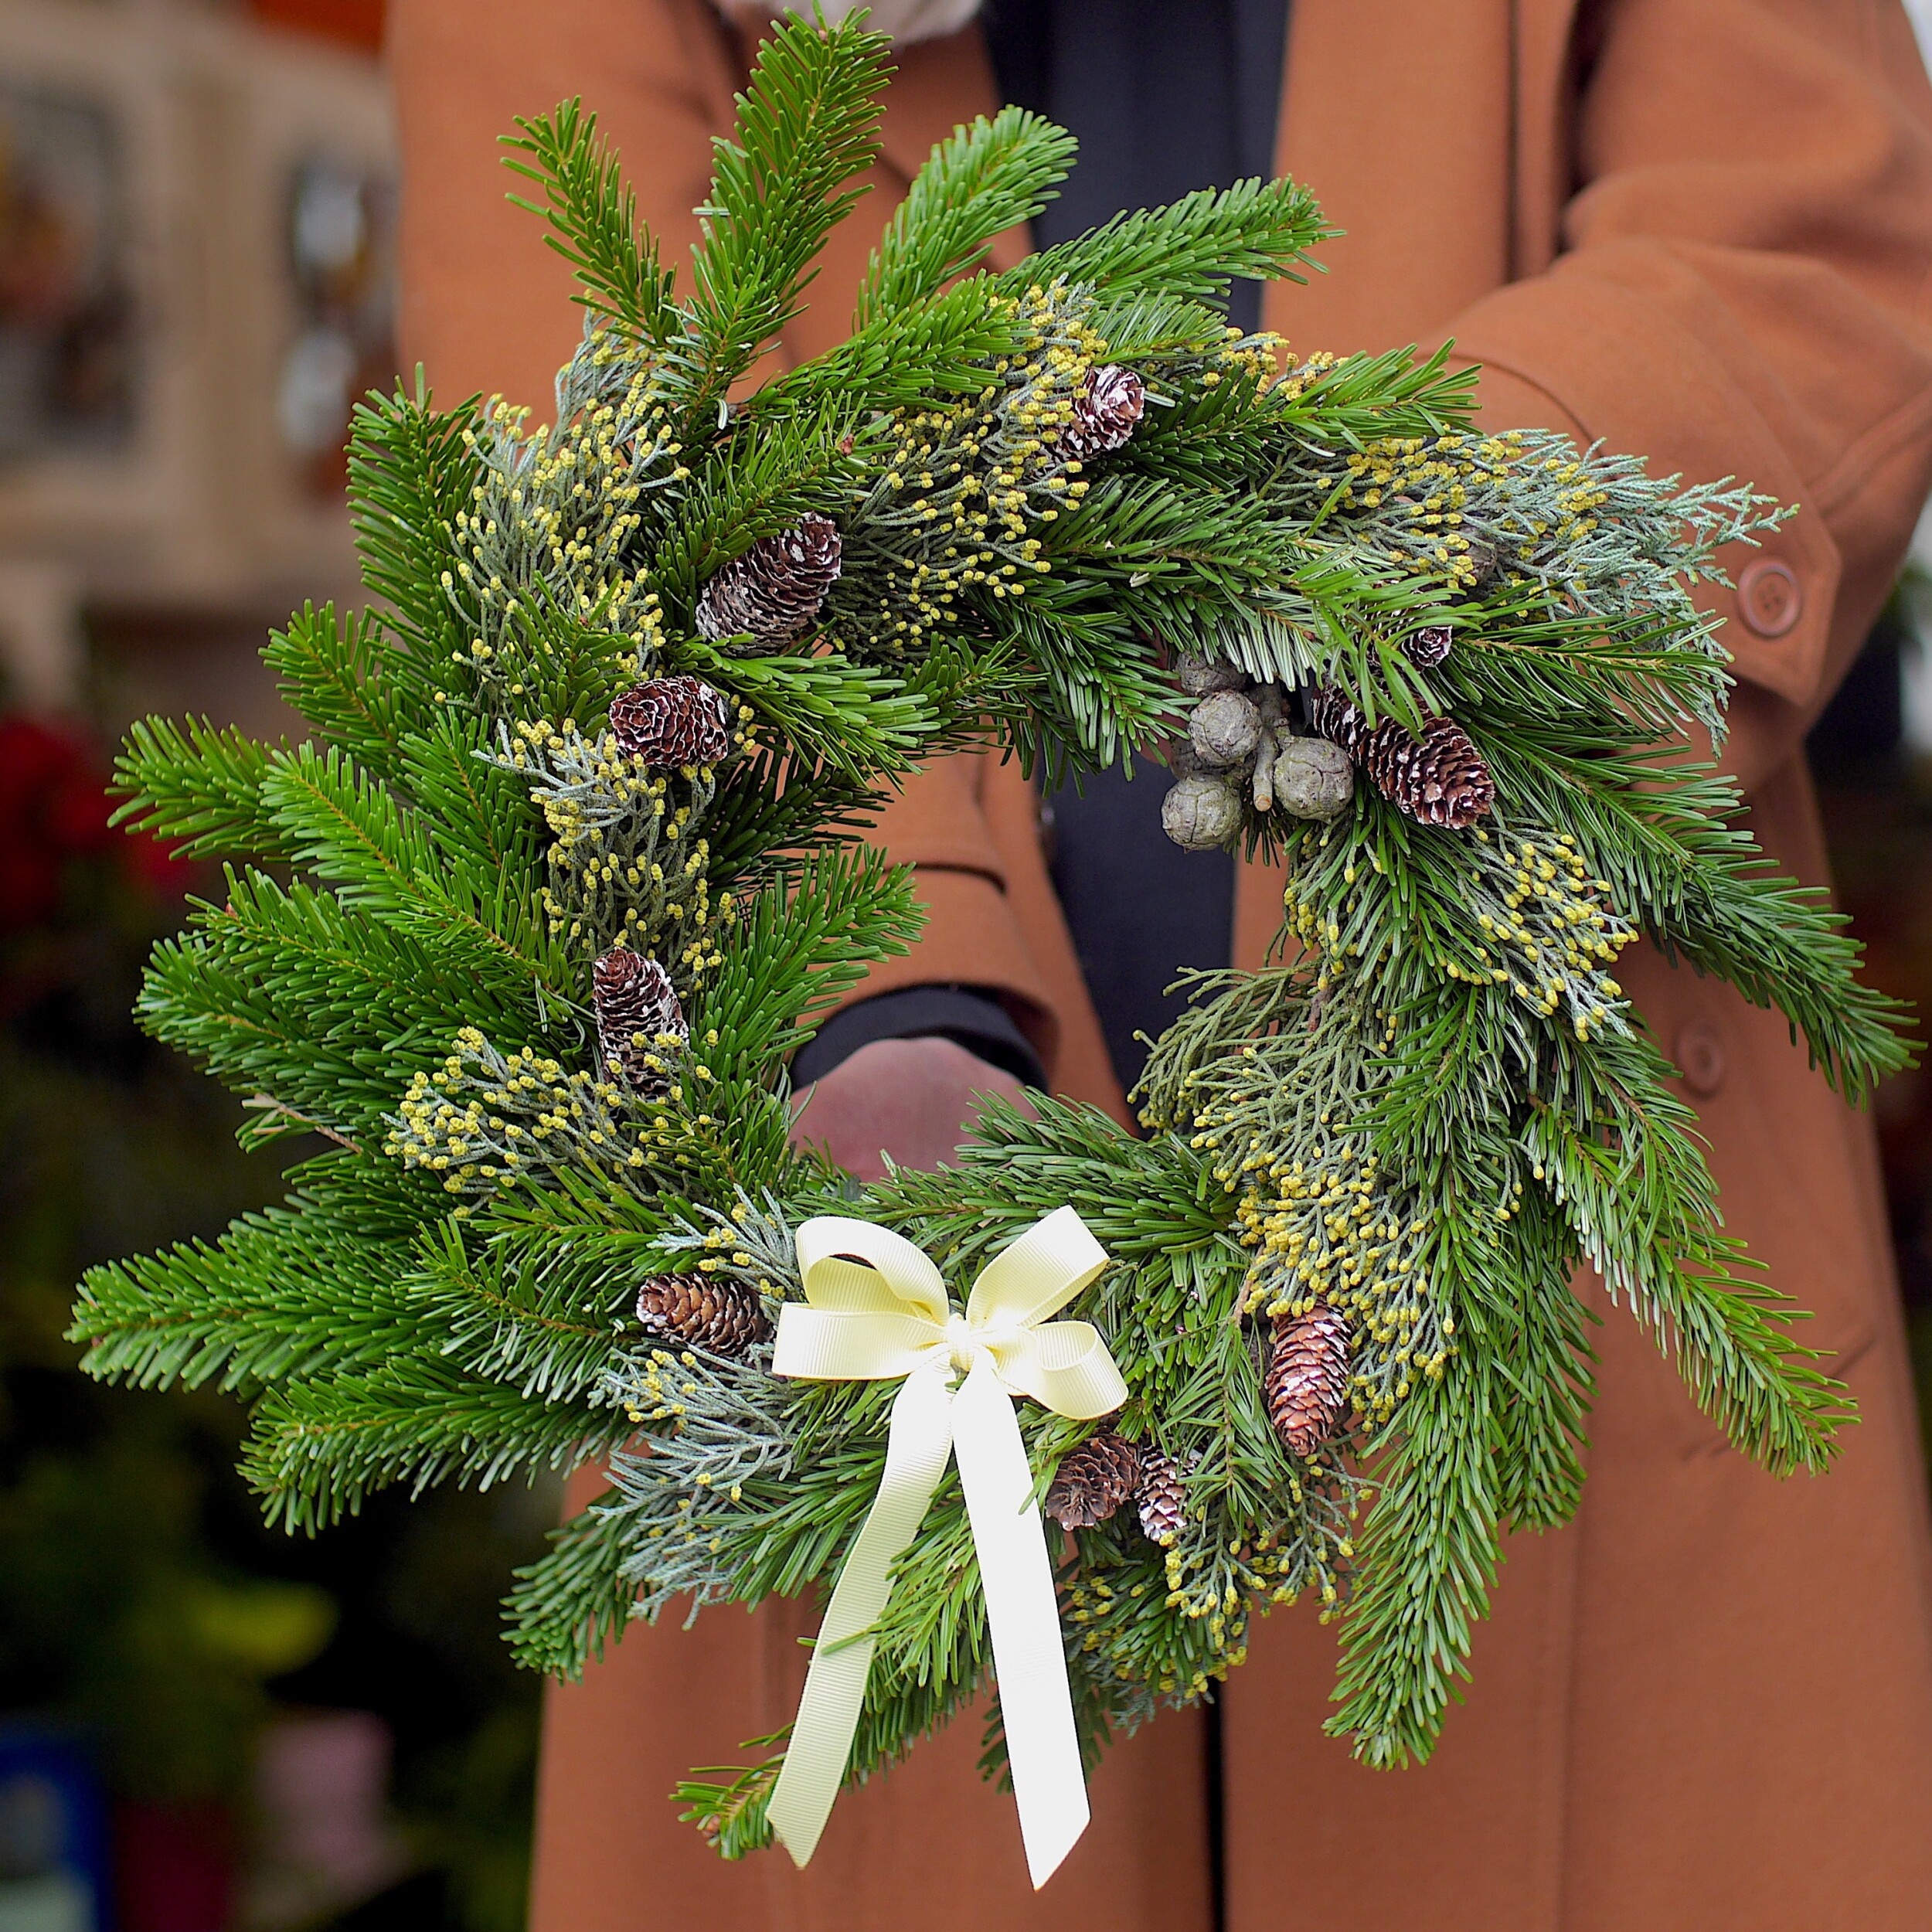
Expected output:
(1429, 1121)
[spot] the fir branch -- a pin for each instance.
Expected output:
(904, 357)
(278, 1297)
(1262, 229)
(347, 828)
(202, 787)
(1781, 945)
(731, 1814)
(1427, 1558)
(572, 1601)
(317, 1450)
(285, 992)
(411, 472)
(861, 724)
(806, 126)
(982, 179)
(332, 670)
(1644, 1210)
(546, 1334)
(592, 215)
(798, 949)
(478, 814)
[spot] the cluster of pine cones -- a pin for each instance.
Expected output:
(1239, 749)
(1305, 1387)
(1098, 1475)
(1438, 779)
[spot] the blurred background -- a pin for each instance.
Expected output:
(206, 1726)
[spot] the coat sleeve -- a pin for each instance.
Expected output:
(1743, 292)
(486, 308)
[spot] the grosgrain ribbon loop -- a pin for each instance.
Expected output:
(875, 1309)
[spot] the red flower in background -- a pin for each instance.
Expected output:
(54, 810)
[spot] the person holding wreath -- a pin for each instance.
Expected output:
(1697, 229)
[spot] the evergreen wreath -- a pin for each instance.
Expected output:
(530, 926)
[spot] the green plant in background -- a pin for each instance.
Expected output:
(115, 1611)
(141, 1599)
(530, 928)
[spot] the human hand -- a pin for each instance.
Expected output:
(915, 1099)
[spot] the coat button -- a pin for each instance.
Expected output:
(1700, 1057)
(1770, 598)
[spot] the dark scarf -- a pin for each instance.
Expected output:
(1165, 97)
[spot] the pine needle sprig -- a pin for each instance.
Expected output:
(198, 789)
(593, 216)
(982, 179)
(1263, 229)
(1427, 1562)
(316, 1451)
(902, 358)
(732, 1814)
(331, 670)
(288, 1293)
(411, 472)
(567, 1607)
(808, 126)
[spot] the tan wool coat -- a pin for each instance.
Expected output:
(1700, 230)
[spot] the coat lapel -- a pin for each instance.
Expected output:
(1479, 85)
(1546, 87)
(1422, 242)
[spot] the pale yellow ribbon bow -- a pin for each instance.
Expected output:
(875, 1309)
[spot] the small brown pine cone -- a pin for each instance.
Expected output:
(669, 722)
(703, 1311)
(1094, 1478)
(1426, 648)
(1163, 1497)
(1106, 412)
(1438, 779)
(1305, 1384)
(638, 1013)
(773, 592)
(1330, 716)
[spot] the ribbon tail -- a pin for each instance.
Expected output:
(1043, 1747)
(917, 1448)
